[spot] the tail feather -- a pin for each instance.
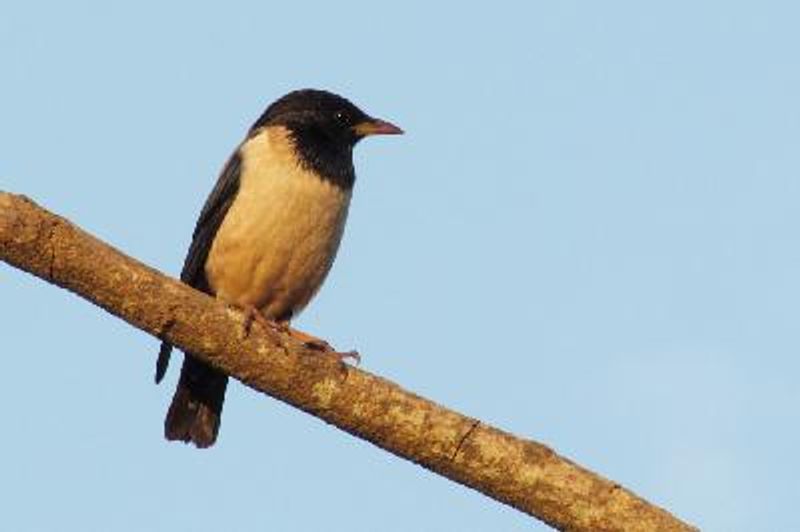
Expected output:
(194, 415)
(163, 361)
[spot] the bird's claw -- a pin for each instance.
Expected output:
(252, 314)
(317, 344)
(352, 354)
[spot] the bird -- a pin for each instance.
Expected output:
(268, 234)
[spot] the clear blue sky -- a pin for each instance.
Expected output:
(588, 236)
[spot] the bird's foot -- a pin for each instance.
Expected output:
(318, 344)
(352, 355)
(251, 315)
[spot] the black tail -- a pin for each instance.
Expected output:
(194, 414)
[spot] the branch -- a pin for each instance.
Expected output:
(521, 473)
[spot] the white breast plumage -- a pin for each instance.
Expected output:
(280, 235)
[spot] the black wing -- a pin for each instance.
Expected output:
(214, 211)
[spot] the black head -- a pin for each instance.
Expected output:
(324, 127)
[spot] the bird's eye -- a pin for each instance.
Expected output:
(342, 117)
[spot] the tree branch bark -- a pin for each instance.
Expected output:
(524, 474)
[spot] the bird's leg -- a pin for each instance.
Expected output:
(318, 344)
(252, 314)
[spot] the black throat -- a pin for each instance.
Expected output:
(331, 160)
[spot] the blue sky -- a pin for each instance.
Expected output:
(588, 236)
